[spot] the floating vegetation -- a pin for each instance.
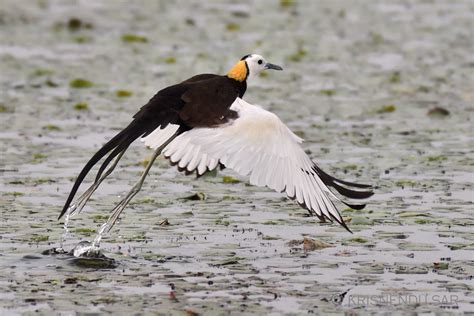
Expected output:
(75, 24)
(424, 89)
(412, 214)
(51, 83)
(39, 156)
(457, 246)
(51, 127)
(199, 196)
(16, 182)
(3, 108)
(418, 269)
(38, 181)
(99, 218)
(415, 246)
(232, 27)
(53, 252)
(328, 92)
(40, 72)
(81, 39)
(145, 200)
(170, 60)
(359, 240)
(80, 83)
(82, 106)
(395, 77)
(360, 220)
(133, 38)
(39, 238)
(351, 167)
(85, 231)
(436, 158)
(404, 183)
(422, 221)
(226, 262)
(14, 193)
(123, 93)
(94, 263)
(389, 108)
(229, 179)
(376, 38)
(287, 3)
(229, 251)
(440, 265)
(438, 112)
(221, 221)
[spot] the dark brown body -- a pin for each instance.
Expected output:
(200, 101)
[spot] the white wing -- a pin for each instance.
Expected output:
(159, 136)
(258, 144)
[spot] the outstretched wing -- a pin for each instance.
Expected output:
(258, 144)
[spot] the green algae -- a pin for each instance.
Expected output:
(39, 238)
(232, 27)
(85, 231)
(80, 83)
(134, 38)
(389, 108)
(123, 93)
(229, 179)
(51, 127)
(82, 106)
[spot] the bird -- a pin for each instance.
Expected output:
(202, 123)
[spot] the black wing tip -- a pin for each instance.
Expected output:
(357, 207)
(65, 207)
(341, 222)
(322, 218)
(330, 180)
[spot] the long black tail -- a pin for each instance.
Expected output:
(120, 148)
(339, 185)
(118, 143)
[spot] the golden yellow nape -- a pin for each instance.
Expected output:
(238, 72)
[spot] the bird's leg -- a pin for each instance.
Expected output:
(135, 189)
(107, 226)
(78, 205)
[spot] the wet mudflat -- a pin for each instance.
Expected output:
(381, 92)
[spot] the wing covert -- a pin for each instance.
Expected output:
(259, 145)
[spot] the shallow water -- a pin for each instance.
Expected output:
(359, 81)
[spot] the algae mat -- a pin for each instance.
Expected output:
(382, 92)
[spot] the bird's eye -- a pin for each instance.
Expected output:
(260, 62)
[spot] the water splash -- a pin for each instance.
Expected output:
(66, 231)
(81, 248)
(98, 238)
(88, 249)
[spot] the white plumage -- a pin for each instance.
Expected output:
(258, 144)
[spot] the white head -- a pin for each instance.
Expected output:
(250, 66)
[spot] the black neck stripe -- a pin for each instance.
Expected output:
(248, 70)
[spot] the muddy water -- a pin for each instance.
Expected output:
(366, 84)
